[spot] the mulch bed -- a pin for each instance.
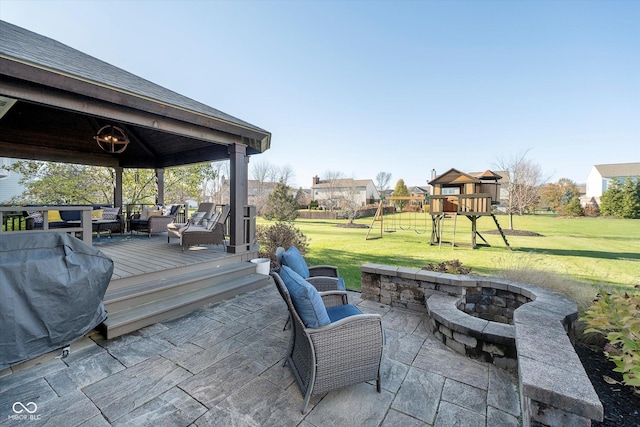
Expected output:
(347, 225)
(621, 406)
(514, 233)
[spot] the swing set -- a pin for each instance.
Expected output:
(397, 221)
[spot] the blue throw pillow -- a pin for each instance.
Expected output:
(305, 298)
(293, 259)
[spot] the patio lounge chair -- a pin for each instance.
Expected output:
(323, 277)
(213, 233)
(205, 212)
(332, 343)
(154, 222)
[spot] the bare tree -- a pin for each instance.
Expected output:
(215, 187)
(349, 202)
(525, 179)
(285, 174)
(382, 181)
(332, 177)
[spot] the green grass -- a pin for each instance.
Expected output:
(600, 252)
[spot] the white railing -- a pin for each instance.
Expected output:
(84, 227)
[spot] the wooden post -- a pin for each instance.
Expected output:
(117, 191)
(159, 186)
(238, 162)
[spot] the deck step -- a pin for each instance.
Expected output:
(152, 290)
(181, 296)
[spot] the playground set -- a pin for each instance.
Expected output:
(455, 193)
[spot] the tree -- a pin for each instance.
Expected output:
(281, 205)
(558, 195)
(332, 177)
(631, 198)
(612, 199)
(573, 208)
(188, 182)
(401, 190)
(382, 181)
(64, 183)
(621, 200)
(349, 203)
(525, 180)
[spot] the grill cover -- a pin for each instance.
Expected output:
(51, 291)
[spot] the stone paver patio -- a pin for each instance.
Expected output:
(222, 366)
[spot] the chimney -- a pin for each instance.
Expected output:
(316, 180)
(433, 174)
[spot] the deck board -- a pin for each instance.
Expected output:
(139, 255)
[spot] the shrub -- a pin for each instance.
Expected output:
(591, 210)
(617, 316)
(279, 234)
(451, 267)
(573, 208)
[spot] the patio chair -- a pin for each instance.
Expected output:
(211, 234)
(155, 221)
(205, 212)
(323, 277)
(332, 343)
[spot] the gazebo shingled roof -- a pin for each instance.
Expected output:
(63, 96)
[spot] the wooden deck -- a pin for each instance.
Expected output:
(136, 254)
(154, 281)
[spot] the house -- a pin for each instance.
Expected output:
(418, 191)
(328, 193)
(601, 177)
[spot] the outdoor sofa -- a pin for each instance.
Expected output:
(109, 217)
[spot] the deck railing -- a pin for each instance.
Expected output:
(477, 204)
(85, 220)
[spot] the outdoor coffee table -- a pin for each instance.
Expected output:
(96, 225)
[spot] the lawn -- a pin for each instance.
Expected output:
(601, 252)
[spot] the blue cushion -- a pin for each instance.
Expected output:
(338, 312)
(71, 215)
(293, 259)
(341, 284)
(305, 298)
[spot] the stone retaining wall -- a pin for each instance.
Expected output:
(554, 388)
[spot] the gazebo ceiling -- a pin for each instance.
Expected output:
(63, 97)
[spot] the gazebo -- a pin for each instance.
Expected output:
(55, 99)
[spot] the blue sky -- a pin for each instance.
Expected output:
(403, 87)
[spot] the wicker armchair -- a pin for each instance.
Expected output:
(155, 223)
(347, 351)
(323, 277)
(212, 234)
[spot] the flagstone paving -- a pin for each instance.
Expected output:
(222, 365)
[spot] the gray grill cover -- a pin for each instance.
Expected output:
(51, 291)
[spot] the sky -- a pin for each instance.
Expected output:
(403, 87)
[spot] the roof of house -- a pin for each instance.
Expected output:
(418, 190)
(618, 170)
(343, 183)
(64, 95)
(453, 176)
